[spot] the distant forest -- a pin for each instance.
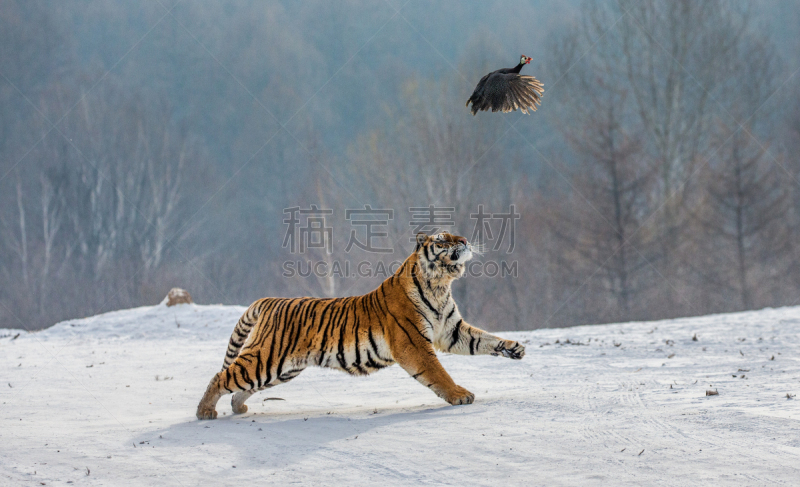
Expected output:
(210, 145)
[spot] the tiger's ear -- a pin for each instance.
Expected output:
(421, 237)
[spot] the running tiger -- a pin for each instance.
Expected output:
(405, 320)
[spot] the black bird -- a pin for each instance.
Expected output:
(506, 90)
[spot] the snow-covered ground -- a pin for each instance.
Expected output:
(110, 400)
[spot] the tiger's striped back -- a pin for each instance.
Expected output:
(282, 336)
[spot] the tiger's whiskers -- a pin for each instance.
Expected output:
(477, 248)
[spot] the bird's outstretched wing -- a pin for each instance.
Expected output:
(506, 93)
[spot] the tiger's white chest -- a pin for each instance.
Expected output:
(434, 304)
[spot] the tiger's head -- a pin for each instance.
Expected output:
(443, 255)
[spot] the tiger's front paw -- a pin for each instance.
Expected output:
(459, 395)
(512, 350)
(206, 413)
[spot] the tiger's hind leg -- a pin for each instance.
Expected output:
(238, 400)
(207, 409)
(241, 380)
(237, 378)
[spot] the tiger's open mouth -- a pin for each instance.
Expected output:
(460, 254)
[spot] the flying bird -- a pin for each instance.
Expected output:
(506, 90)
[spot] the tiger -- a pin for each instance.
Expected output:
(405, 320)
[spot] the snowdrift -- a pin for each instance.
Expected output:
(110, 400)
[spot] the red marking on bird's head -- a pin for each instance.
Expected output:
(528, 61)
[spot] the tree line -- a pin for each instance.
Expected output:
(658, 179)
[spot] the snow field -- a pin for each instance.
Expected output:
(110, 400)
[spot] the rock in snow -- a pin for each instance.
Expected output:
(110, 400)
(177, 295)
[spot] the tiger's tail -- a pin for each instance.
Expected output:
(242, 331)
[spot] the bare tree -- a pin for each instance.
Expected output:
(743, 220)
(608, 202)
(94, 204)
(743, 211)
(675, 55)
